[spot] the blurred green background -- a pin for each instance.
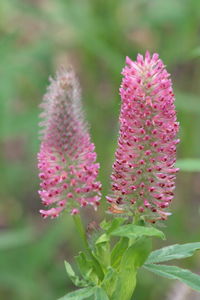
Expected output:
(36, 37)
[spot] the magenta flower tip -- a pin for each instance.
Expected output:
(143, 177)
(66, 159)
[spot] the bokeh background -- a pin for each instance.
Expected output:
(36, 37)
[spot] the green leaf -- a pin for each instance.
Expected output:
(112, 224)
(75, 279)
(102, 239)
(83, 263)
(189, 164)
(110, 280)
(132, 259)
(79, 294)
(102, 250)
(173, 272)
(118, 251)
(86, 268)
(134, 231)
(100, 294)
(173, 252)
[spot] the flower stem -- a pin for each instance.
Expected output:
(81, 230)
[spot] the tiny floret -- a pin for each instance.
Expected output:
(143, 177)
(66, 160)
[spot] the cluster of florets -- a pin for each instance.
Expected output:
(143, 178)
(66, 159)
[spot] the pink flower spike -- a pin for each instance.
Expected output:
(66, 160)
(147, 141)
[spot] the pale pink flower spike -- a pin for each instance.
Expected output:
(143, 177)
(66, 159)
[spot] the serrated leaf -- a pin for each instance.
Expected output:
(79, 294)
(134, 231)
(173, 252)
(75, 279)
(100, 294)
(173, 272)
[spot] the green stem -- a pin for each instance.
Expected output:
(136, 218)
(81, 230)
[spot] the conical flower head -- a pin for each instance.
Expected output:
(66, 159)
(144, 170)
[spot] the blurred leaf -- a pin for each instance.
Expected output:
(172, 252)
(15, 238)
(173, 272)
(134, 231)
(195, 53)
(90, 30)
(187, 102)
(46, 247)
(18, 283)
(189, 164)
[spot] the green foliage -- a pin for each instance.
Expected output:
(134, 231)
(86, 293)
(100, 294)
(75, 279)
(119, 264)
(86, 268)
(102, 250)
(173, 252)
(111, 225)
(81, 294)
(132, 259)
(118, 251)
(173, 272)
(110, 281)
